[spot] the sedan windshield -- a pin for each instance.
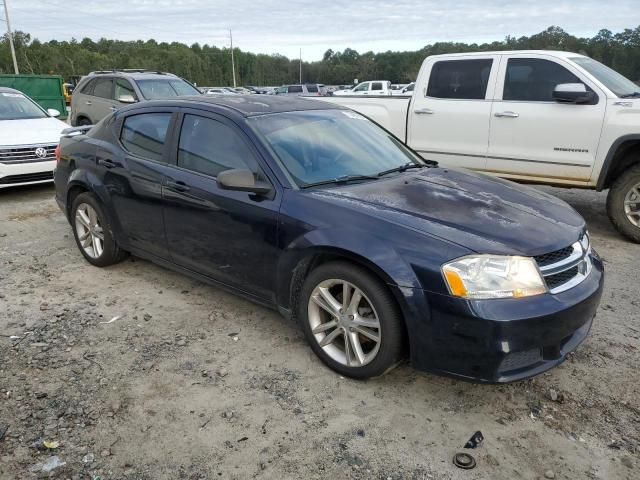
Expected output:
(160, 88)
(319, 146)
(15, 106)
(618, 84)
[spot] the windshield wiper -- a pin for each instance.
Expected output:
(341, 179)
(630, 95)
(402, 168)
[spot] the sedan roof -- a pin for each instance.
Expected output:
(252, 105)
(9, 90)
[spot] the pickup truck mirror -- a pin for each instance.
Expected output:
(241, 180)
(572, 93)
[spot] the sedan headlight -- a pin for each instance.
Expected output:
(492, 276)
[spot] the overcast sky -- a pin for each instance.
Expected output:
(285, 26)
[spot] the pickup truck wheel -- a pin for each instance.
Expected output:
(92, 232)
(623, 203)
(351, 321)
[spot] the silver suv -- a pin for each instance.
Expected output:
(100, 93)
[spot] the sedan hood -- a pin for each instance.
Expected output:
(30, 131)
(481, 213)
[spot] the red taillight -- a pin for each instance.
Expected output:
(57, 153)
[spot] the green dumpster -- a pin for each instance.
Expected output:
(46, 90)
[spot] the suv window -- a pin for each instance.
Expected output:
(461, 79)
(103, 88)
(295, 88)
(363, 87)
(124, 87)
(312, 88)
(144, 134)
(210, 147)
(533, 79)
(376, 86)
(88, 87)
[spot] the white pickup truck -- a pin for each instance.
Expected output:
(373, 87)
(545, 117)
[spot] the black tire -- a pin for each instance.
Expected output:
(391, 333)
(83, 122)
(629, 179)
(111, 253)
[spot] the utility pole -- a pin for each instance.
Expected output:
(13, 50)
(233, 64)
(300, 65)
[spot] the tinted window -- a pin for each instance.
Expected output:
(123, 87)
(210, 147)
(102, 88)
(295, 88)
(376, 86)
(410, 88)
(88, 88)
(465, 79)
(363, 87)
(145, 134)
(533, 79)
(312, 88)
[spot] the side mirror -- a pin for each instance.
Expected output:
(572, 93)
(241, 180)
(52, 112)
(126, 98)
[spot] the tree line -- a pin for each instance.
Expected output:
(208, 65)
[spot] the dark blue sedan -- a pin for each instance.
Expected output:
(318, 212)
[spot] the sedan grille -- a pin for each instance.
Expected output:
(565, 268)
(26, 178)
(27, 154)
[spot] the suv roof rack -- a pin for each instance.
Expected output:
(127, 70)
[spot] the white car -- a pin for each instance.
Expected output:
(29, 136)
(218, 91)
(405, 91)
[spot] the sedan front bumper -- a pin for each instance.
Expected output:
(503, 340)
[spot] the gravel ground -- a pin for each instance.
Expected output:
(189, 382)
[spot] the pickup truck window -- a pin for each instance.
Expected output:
(376, 86)
(312, 88)
(533, 79)
(620, 85)
(459, 79)
(363, 87)
(295, 88)
(210, 147)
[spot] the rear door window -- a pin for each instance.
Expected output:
(295, 88)
(460, 79)
(88, 88)
(209, 147)
(145, 134)
(376, 86)
(103, 88)
(124, 87)
(312, 88)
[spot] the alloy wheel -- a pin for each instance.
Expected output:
(344, 322)
(632, 205)
(89, 230)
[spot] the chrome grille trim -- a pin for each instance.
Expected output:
(579, 259)
(26, 154)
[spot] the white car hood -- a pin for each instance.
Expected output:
(31, 131)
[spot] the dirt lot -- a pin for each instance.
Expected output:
(191, 382)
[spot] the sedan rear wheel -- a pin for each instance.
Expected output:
(92, 232)
(351, 320)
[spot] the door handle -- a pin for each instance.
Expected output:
(423, 111)
(107, 163)
(507, 114)
(88, 102)
(177, 186)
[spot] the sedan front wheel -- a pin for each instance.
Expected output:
(351, 320)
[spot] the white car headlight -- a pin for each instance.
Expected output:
(493, 276)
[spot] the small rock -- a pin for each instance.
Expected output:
(105, 453)
(627, 462)
(549, 474)
(88, 458)
(181, 343)
(147, 317)
(553, 395)
(222, 372)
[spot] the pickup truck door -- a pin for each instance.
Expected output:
(449, 115)
(534, 136)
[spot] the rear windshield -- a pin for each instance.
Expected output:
(15, 106)
(153, 89)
